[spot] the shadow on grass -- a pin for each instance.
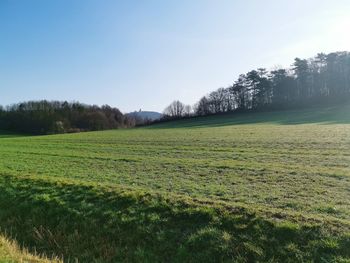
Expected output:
(326, 115)
(8, 134)
(96, 224)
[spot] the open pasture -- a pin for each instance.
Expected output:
(246, 187)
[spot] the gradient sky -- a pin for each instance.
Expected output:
(144, 54)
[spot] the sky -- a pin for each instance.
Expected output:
(137, 54)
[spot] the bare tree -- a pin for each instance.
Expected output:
(175, 110)
(202, 107)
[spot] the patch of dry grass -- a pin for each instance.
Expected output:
(10, 252)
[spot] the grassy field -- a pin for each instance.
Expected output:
(6, 134)
(252, 187)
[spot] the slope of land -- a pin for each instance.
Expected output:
(244, 187)
(320, 115)
(149, 115)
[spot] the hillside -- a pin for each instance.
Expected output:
(250, 187)
(146, 115)
(336, 114)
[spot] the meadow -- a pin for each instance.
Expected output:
(249, 187)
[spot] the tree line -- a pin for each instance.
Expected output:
(48, 117)
(324, 78)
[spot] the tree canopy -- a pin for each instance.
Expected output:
(324, 78)
(47, 117)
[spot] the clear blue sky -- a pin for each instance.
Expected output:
(144, 54)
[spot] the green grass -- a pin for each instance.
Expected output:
(249, 187)
(7, 134)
